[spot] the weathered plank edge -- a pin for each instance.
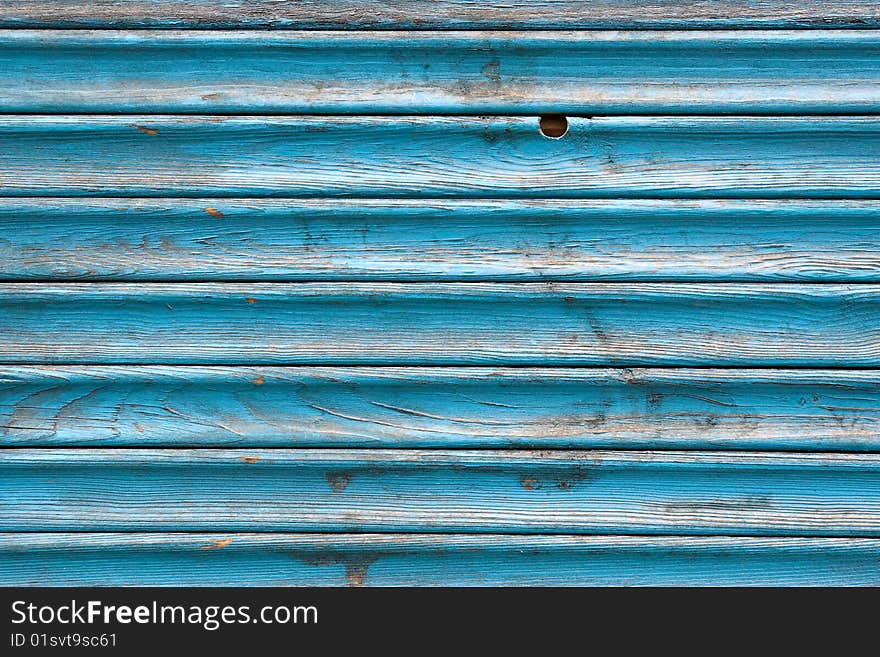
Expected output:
(441, 491)
(403, 407)
(455, 458)
(247, 559)
(253, 239)
(779, 72)
(825, 72)
(442, 324)
(438, 14)
(481, 40)
(635, 157)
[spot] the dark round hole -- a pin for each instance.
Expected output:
(553, 125)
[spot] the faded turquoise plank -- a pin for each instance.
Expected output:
(85, 559)
(437, 240)
(592, 72)
(439, 407)
(705, 157)
(617, 324)
(589, 492)
(408, 14)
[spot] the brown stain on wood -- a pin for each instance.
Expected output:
(356, 573)
(563, 480)
(530, 483)
(214, 212)
(250, 300)
(566, 483)
(356, 565)
(492, 70)
(217, 544)
(338, 480)
(259, 381)
(250, 459)
(144, 129)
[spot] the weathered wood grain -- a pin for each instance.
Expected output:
(366, 14)
(617, 324)
(439, 407)
(438, 240)
(690, 493)
(156, 156)
(157, 559)
(590, 72)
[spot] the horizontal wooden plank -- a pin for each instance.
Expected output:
(590, 72)
(84, 559)
(615, 324)
(365, 14)
(833, 157)
(439, 240)
(688, 493)
(439, 407)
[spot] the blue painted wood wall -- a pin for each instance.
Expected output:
(301, 293)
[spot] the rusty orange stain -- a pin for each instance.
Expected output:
(251, 300)
(138, 428)
(214, 212)
(259, 381)
(217, 544)
(356, 574)
(530, 483)
(250, 459)
(144, 129)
